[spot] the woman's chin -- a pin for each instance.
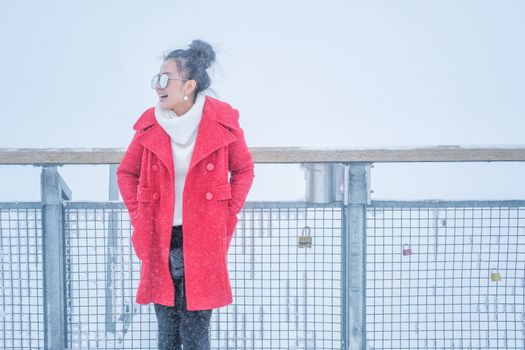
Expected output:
(164, 105)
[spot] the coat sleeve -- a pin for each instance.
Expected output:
(241, 167)
(128, 173)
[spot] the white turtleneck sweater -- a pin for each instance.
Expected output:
(183, 133)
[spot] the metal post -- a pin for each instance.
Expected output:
(356, 198)
(53, 192)
(111, 250)
(319, 182)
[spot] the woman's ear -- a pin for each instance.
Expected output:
(191, 86)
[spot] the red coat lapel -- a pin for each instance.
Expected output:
(212, 134)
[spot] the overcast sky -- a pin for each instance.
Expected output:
(330, 74)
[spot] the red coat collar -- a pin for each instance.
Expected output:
(218, 118)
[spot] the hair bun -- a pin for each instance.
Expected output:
(204, 52)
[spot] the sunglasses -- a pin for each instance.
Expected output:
(162, 80)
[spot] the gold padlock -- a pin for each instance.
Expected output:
(305, 240)
(495, 276)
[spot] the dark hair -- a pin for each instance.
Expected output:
(193, 62)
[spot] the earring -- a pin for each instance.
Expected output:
(185, 97)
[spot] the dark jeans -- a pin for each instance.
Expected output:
(177, 325)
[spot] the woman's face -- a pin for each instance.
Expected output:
(172, 96)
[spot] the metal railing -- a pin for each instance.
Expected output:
(336, 271)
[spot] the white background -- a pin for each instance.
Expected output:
(330, 74)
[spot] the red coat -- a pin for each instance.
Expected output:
(211, 203)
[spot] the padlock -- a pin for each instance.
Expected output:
(305, 240)
(495, 276)
(407, 250)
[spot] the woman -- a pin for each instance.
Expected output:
(183, 207)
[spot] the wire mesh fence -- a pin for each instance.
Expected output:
(21, 284)
(439, 275)
(446, 275)
(285, 265)
(102, 274)
(286, 295)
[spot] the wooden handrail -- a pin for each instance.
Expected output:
(441, 153)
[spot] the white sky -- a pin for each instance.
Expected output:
(330, 74)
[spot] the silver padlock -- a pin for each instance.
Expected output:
(305, 239)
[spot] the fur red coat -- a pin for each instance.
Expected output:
(219, 178)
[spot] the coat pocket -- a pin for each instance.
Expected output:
(135, 241)
(231, 222)
(144, 219)
(223, 191)
(223, 194)
(144, 194)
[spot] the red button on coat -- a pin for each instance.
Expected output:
(155, 168)
(209, 195)
(155, 196)
(210, 166)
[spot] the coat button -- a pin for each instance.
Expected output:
(155, 196)
(155, 168)
(210, 166)
(209, 195)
